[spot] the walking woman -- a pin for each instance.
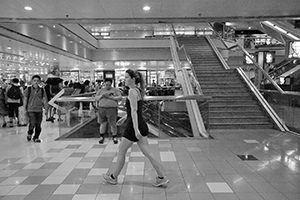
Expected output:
(136, 130)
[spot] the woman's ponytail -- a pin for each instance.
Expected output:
(140, 80)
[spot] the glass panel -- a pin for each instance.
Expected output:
(287, 107)
(165, 119)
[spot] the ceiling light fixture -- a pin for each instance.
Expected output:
(8, 48)
(146, 8)
(27, 8)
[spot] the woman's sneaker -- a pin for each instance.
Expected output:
(107, 177)
(36, 140)
(161, 182)
(101, 141)
(115, 140)
(29, 137)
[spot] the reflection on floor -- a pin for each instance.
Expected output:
(198, 169)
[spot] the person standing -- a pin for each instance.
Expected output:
(136, 130)
(35, 100)
(3, 107)
(108, 98)
(14, 99)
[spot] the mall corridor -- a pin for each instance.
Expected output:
(198, 169)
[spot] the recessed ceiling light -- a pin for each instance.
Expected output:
(146, 8)
(41, 26)
(58, 35)
(71, 41)
(53, 26)
(27, 8)
(8, 48)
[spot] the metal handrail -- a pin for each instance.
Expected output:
(280, 124)
(193, 109)
(261, 69)
(224, 63)
(254, 62)
(146, 98)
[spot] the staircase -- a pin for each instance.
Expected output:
(232, 106)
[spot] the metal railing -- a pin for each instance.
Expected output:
(279, 122)
(192, 107)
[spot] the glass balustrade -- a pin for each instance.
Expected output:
(287, 107)
(166, 116)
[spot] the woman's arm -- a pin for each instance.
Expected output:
(117, 96)
(98, 95)
(133, 99)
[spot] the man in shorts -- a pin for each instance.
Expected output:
(108, 98)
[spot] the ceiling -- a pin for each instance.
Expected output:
(75, 19)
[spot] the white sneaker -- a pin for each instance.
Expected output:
(160, 181)
(107, 177)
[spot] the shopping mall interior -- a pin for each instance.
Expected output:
(222, 99)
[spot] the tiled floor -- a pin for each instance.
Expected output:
(198, 169)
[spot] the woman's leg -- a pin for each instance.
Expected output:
(124, 146)
(143, 144)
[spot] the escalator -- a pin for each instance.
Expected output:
(284, 68)
(172, 124)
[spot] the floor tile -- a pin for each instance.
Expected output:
(67, 189)
(33, 180)
(13, 181)
(88, 189)
(54, 180)
(6, 189)
(84, 196)
(219, 187)
(22, 190)
(108, 197)
(251, 141)
(167, 157)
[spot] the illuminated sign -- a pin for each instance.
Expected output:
(293, 49)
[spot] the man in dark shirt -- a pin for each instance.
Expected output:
(34, 101)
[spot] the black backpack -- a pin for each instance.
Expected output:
(14, 92)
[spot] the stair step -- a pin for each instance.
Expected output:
(241, 126)
(233, 108)
(232, 102)
(222, 87)
(235, 113)
(232, 105)
(240, 119)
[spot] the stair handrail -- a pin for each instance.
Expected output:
(193, 75)
(222, 60)
(278, 121)
(262, 70)
(192, 106)
(248, 55)
(280, 124)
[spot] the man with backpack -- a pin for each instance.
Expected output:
(14, 99)
(35, 100)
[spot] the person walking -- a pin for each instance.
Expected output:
(108, 98)
(136, 130)
(35, 100)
